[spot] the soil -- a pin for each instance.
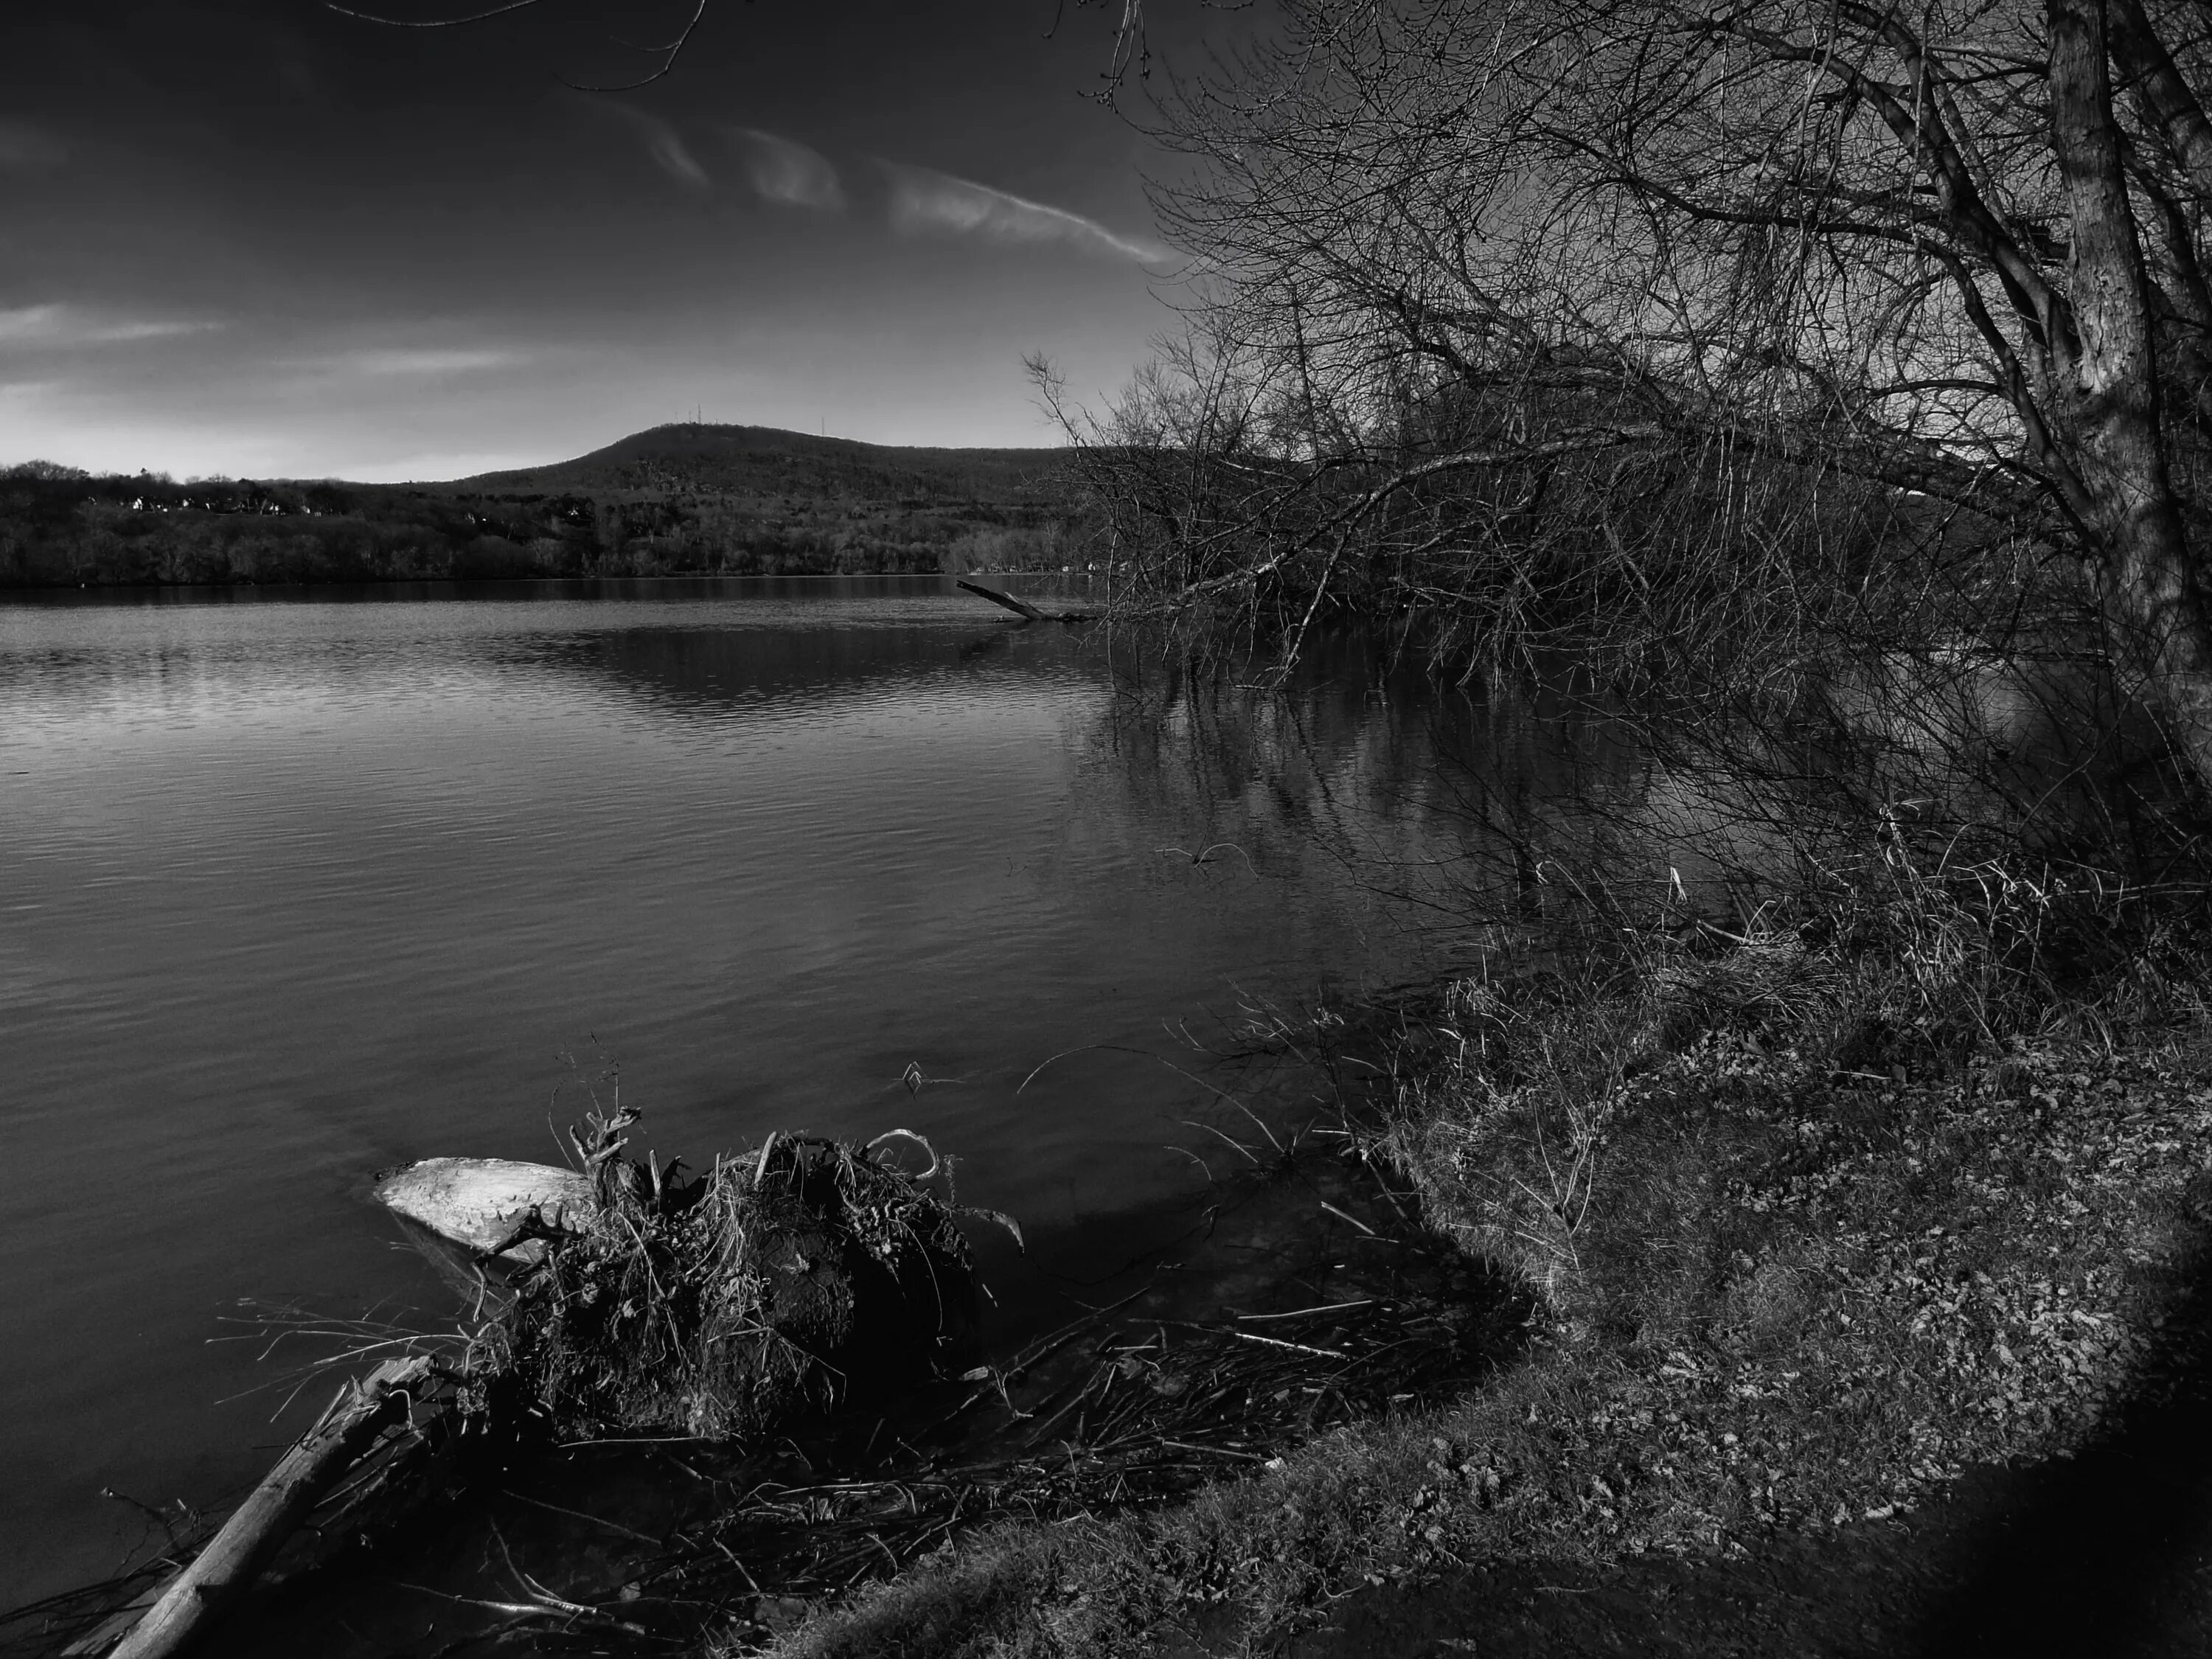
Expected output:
(2059, 1561)
(2108, 1555)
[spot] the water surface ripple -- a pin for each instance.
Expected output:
(295, 887)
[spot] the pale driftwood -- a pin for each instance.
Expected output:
(1022, 607)
(237, 1554)
(480, 1203)
(102, 1637)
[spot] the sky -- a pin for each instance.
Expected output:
(258, 238)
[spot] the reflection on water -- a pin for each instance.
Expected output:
(299, 887)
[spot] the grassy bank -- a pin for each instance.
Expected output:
(1816, 1226)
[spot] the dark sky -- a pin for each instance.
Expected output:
(253, 237)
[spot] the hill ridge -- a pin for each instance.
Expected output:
(719, 455)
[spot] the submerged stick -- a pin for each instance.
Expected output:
(236, 1555)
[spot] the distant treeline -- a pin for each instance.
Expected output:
(62, 527)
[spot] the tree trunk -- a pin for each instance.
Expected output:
(2106, 374)
(236, 1555)
(2171, 107)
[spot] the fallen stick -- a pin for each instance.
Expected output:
(1353, 1219)
(1265, 1341)
(1210, 1451)
(1021, 607)
(1328, 1307)
(236, 1555)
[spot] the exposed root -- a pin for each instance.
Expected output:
(790, 1279)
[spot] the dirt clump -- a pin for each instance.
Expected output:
(809, 1275)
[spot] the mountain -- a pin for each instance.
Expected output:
(766, 460)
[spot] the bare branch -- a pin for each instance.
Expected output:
(426, 23)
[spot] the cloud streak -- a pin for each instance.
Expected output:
(925, 201)
(784, 170)
(55, 326)
(388, 363)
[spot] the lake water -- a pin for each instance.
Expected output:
(295, 886)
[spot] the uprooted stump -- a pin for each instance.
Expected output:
(808, 1275)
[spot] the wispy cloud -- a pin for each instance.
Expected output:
(664, 144)
(56, 324)
(667, 149)
(784, 170)
(29, 149)
(389, 361)
(924, 200)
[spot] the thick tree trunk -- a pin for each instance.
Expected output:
(2107, 377)
(2172, 108)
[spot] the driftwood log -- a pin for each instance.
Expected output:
(481, 1203)
(236, 1556)
(1022, 607)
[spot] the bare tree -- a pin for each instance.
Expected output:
(1833, 264)
(660, 59)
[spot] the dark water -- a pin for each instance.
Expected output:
(294, 888)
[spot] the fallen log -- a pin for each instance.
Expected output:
(235, 1556)
(1022, 607)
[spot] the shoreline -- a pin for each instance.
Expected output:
(1817, 1334)
(1854, 1362)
